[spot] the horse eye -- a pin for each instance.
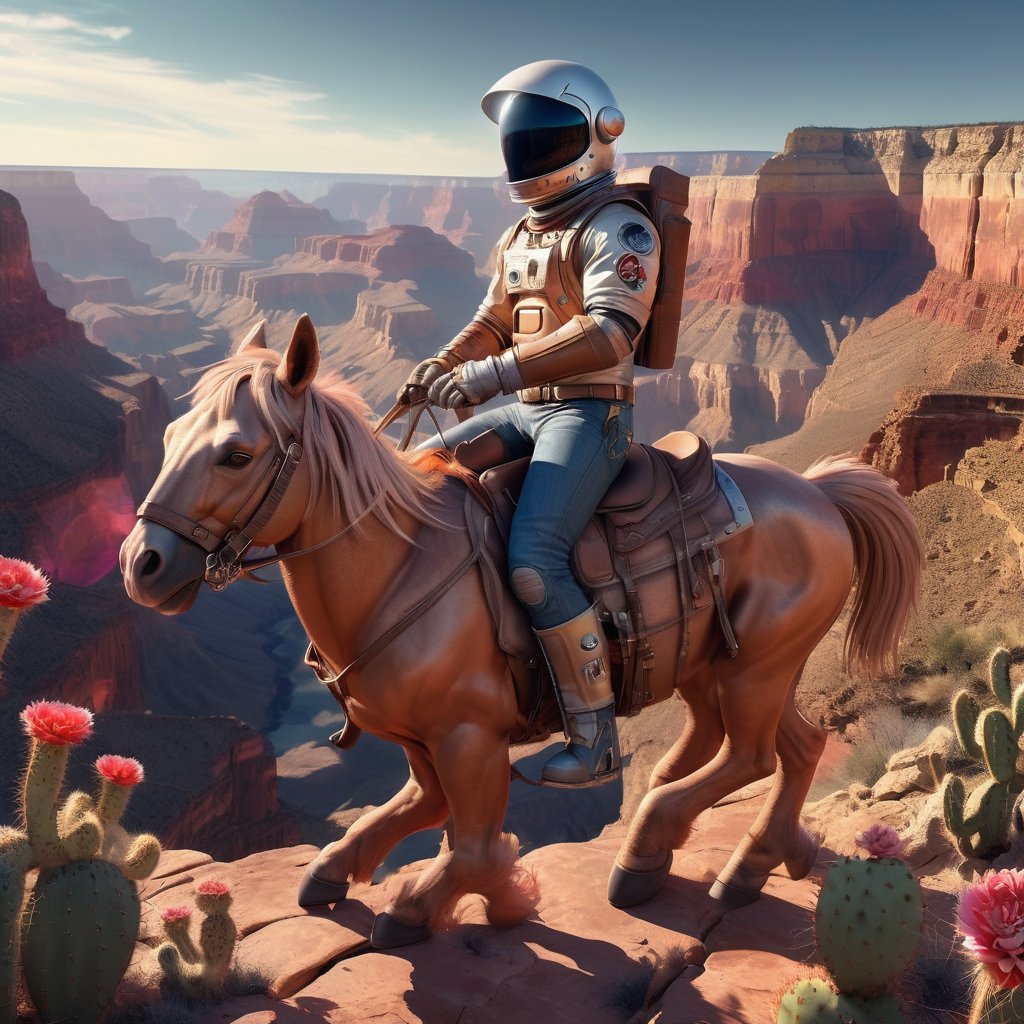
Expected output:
(236, 460)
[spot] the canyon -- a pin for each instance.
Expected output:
(81, 442)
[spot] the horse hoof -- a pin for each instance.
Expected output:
(628, 888)
(316, 892)
(729, 897)
(388, 932)
(799, 866)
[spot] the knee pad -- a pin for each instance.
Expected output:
(528, 585)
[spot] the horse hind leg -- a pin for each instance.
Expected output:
(701, 738)
(777, 837)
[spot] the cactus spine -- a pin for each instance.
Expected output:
(200, 973)
(15, 859)
(980, 823)
(78, 940)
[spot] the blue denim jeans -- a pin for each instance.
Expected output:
(577, 449)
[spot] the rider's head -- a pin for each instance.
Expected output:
(558, 124)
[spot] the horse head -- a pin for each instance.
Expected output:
(233, 475)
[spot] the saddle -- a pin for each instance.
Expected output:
(649, 557)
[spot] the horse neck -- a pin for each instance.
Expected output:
(335, 590)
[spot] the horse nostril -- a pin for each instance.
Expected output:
(150, 562)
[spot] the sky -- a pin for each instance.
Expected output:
(393, 86)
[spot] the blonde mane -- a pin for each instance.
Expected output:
(350, 469)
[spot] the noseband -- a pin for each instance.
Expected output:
(224, 553)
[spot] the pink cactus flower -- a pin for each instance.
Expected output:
(881, 841)
(121, 771)
(22, 585)
(212, 888)
(991, 916)
(55, 722)
(172, 914)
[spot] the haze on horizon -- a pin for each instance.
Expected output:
(394, 86)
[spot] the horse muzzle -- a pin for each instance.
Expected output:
(161, 570)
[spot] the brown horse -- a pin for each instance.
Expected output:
(260, 424)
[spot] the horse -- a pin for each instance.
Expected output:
(273, 455)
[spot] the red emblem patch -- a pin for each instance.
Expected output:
(630, 270)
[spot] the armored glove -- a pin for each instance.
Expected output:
(415, 388)
(477, 381)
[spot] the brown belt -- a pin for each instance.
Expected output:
(625, 393)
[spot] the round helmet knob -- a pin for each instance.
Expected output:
(609, 124)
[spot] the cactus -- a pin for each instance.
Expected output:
(200, 973)
(867, 923)
(137, 856)
(57, 835)
(15, 859)
(78, 939)
(22, 586)
(985, 814)
(814, 1002)
(981, 823)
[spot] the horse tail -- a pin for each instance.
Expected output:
(888, 557)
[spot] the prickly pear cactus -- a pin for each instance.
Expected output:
(868, 921)
(813, 1001)
(78, 939)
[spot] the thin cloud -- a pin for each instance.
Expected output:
(60, 23)
(89, 103)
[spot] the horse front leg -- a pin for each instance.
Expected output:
(418, 805)
(472, 764)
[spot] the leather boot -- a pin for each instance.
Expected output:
(577, 655)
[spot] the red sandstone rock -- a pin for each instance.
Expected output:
(270, 224)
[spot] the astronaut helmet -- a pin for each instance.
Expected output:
(558, 123)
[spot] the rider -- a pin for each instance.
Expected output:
(573, 291)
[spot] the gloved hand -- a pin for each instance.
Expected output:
(477, 381)
(415, 388)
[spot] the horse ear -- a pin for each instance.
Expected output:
(301, 361)
(256, 338)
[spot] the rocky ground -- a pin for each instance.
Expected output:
(676, 960)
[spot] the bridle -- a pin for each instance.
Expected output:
(224, 552)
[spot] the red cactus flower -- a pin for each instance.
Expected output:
(22, 585)
(179, 913)
(881, 841)
(214, 889)
(55, 722)
(122, 771)
(991, 916)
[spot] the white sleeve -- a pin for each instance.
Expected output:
(620, 255)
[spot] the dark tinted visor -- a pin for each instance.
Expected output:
(540, 135)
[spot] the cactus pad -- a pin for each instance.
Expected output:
(966, 713)
(994, 734)
(78, 940)
(868, 921)
(813, 1002)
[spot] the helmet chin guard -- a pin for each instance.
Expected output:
(558, 122)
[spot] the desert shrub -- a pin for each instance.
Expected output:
(960, 649)
(882, 732)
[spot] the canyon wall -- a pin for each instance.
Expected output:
(80, 444)
(844, 241)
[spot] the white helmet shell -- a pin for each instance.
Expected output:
(576, 86)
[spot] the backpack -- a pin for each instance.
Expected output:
(663, 195)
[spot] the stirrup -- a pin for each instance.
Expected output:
(581, 764)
